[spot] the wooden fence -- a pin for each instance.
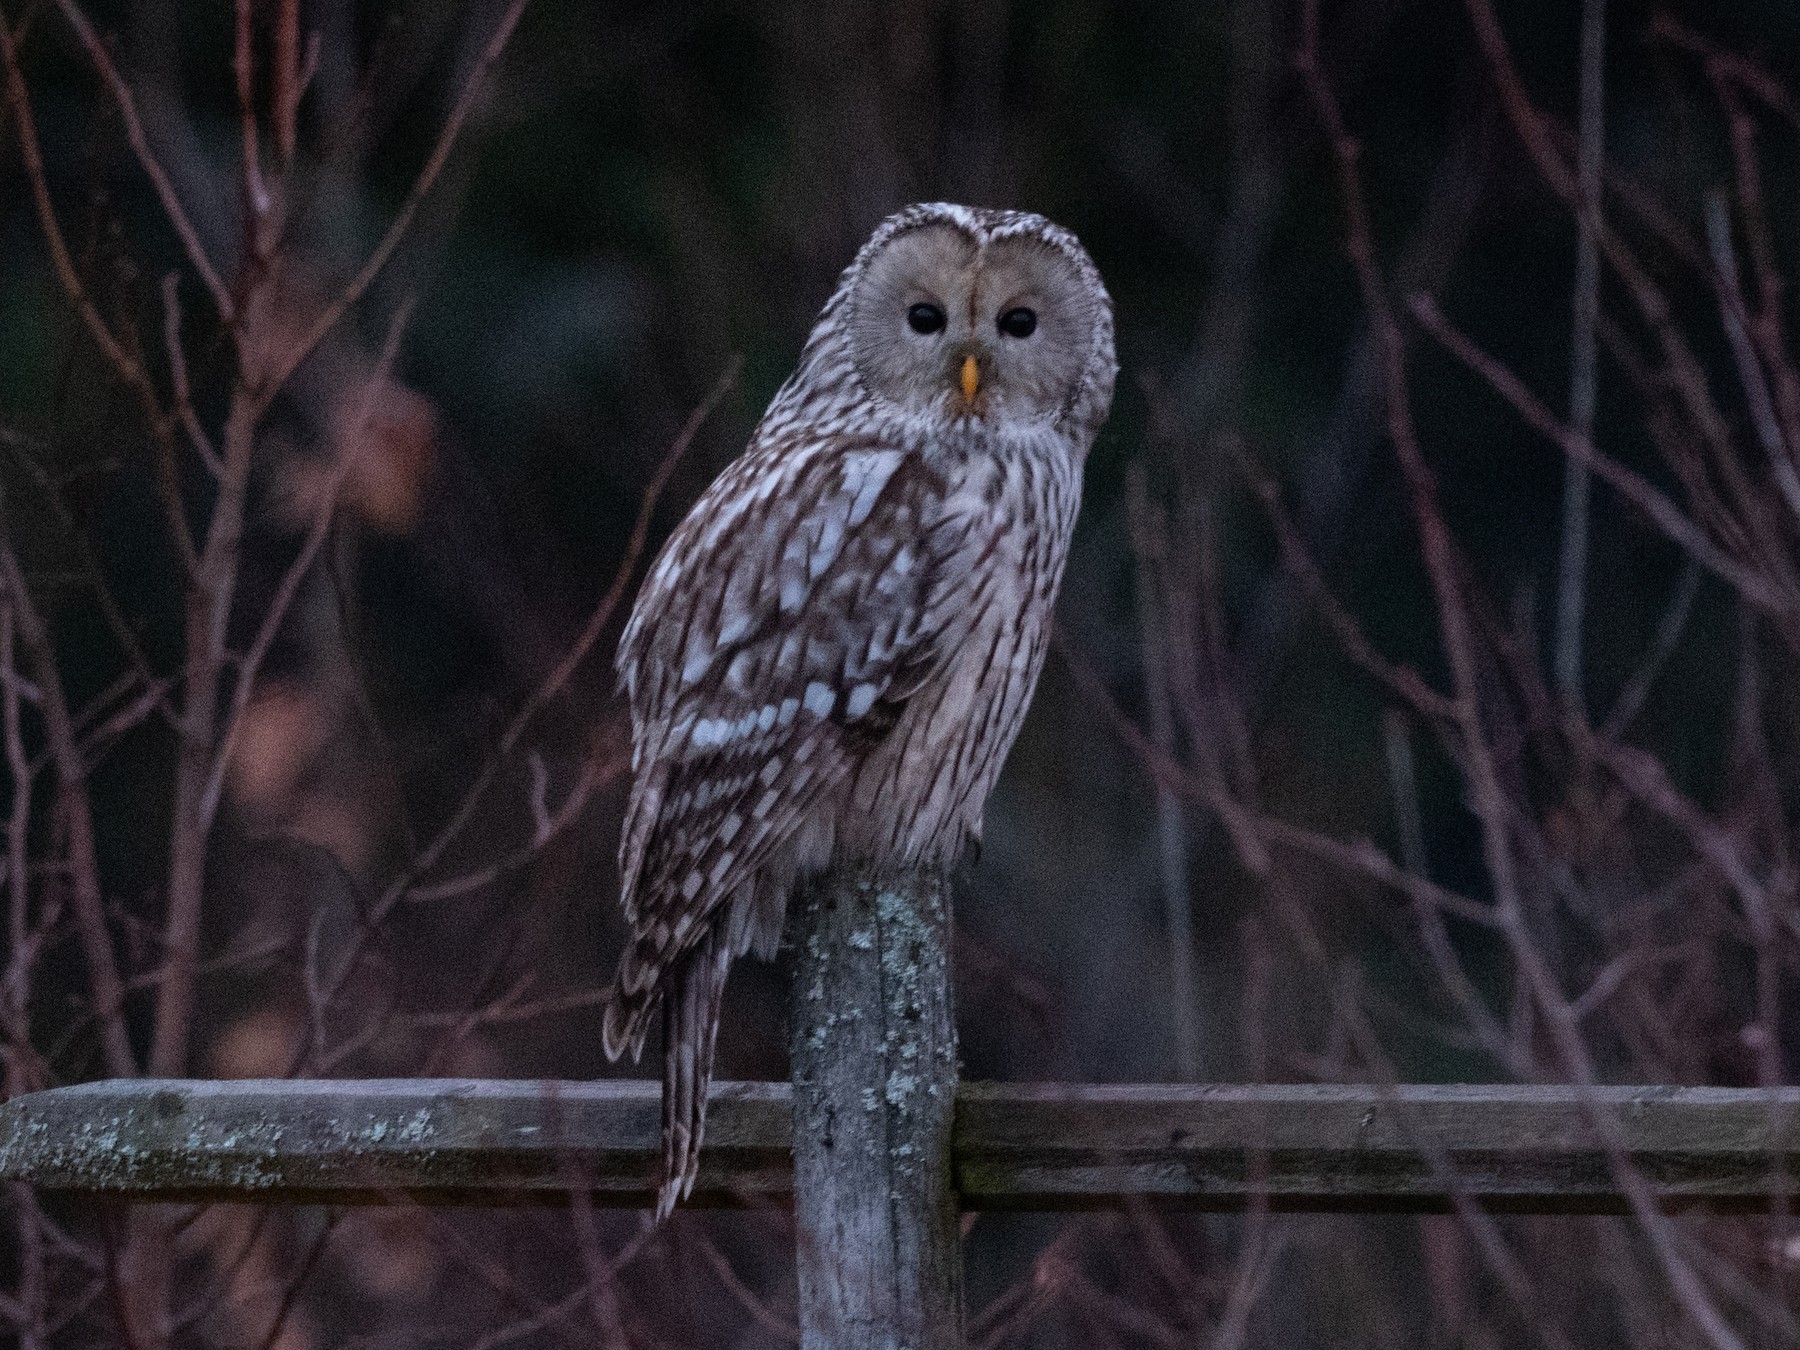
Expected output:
(878, 1144)
(1413, 1149)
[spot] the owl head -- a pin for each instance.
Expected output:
(952, 314)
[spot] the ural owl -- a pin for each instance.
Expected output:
(831, 656)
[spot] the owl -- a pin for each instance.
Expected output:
(831, 656)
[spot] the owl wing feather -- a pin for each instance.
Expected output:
(812, 590)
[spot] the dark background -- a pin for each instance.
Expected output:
(647, 192)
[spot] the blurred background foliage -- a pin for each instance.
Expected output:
(649, 190)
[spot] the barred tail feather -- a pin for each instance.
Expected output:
(626, 1020)
(690, 1034)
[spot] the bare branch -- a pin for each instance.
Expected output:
(440, 155)
(558, 679)
(71, 775)
(349, 457)
(1584, 365)
(127, 365)
(153, 169)
(1660, 511)
(178, 373)
(1732, 316)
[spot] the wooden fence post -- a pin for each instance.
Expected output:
(874, 1064)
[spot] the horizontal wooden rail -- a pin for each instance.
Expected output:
(1017, 1146)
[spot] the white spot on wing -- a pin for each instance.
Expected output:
(862, 698)
(734, 627)
(819, 699)
(825, 552)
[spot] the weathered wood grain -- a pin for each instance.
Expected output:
(878, 1252)
(1526, 1149)
(363, 1140)
(1015, 1146)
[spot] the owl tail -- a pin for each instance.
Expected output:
(690, 1033)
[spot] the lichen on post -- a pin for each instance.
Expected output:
(875, 1071)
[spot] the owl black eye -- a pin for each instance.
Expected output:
(924, 318)
(1019, 323)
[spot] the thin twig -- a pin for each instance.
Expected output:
(349, 459)
(178, 374)
(1660, 511)
(1488, 794)
(553, 685)
(1668, 634)
(147, 160)
(1149, 544)
(440, 155)
(128, 366)
(290, 78)
(116, 622)
(1685, 373)
(1584, 372)
(77, 817)
(1733, 317)
(255, 192)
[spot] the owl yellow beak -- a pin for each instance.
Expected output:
(971, 378)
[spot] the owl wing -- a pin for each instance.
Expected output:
(806, 597)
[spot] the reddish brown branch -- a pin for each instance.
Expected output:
(289, 78)
(350, 455)
(1684, 371)
(77, 817)
(1489, 800)
(257, 204)
(1656, 507)
(558, 679)
(208, 619)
